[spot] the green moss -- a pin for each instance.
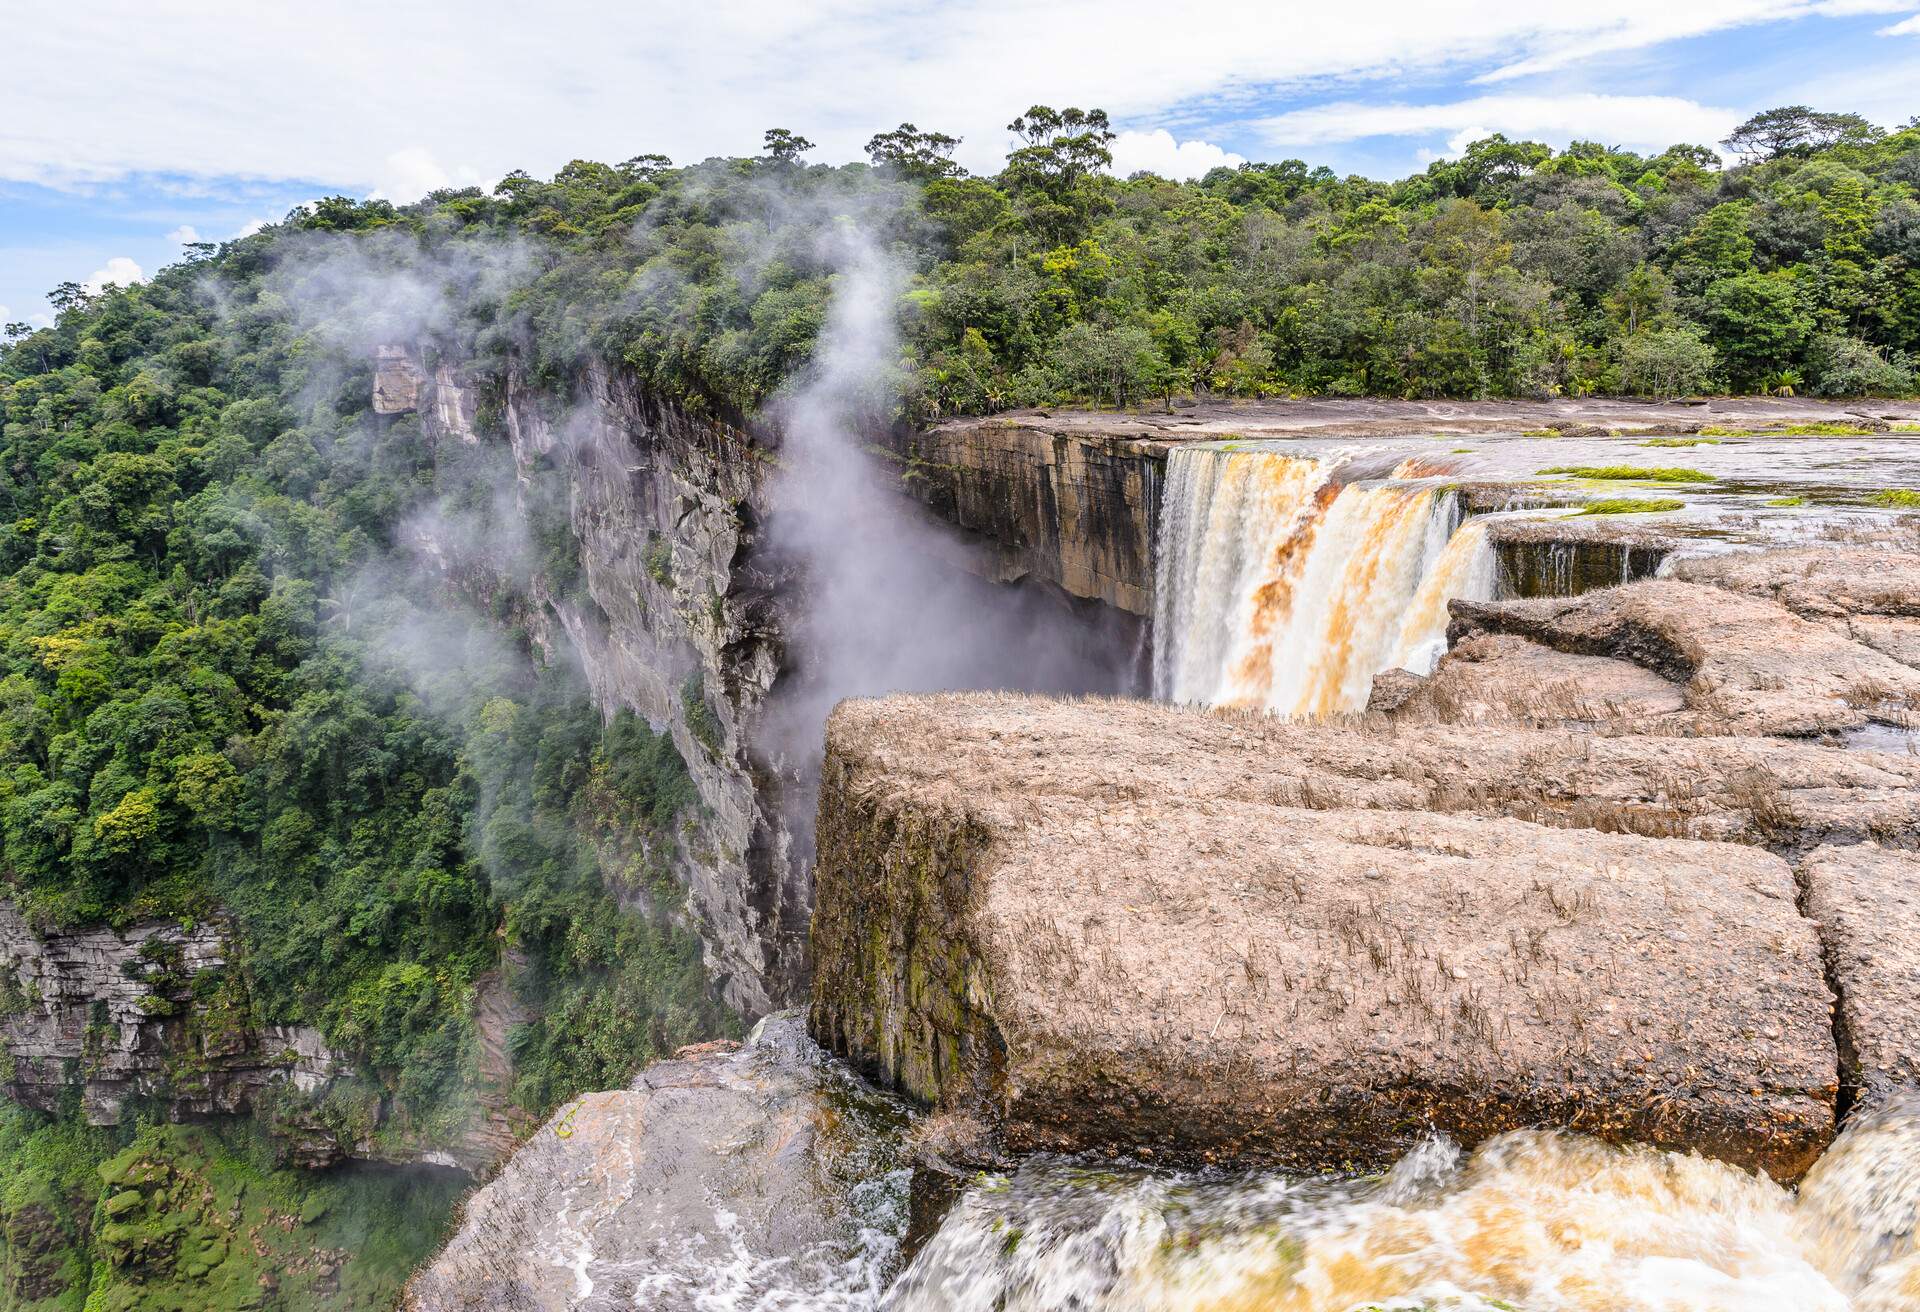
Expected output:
(1897, 498)
(702, 723)
(191, 1221)
(1539, 432)
(1633, 473)
(1784, 503)
(1826, 430)
(1630, 506)
(1681, 441)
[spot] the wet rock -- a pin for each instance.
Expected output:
(1867, 901)
(1747, 666)
(1073, 510)
(1101, 926)
(729, 1176)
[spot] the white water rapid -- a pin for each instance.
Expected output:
(1281, 585)
(1536, 1221)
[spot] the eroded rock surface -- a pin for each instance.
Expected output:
(754, 1175)
(1746, 665)
(1867, 901)
(1103, 925)
(153, 1012)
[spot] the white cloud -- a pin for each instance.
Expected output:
(186, 234)
(1906, 27)
(248, 228)
(1158, 152)
(118, 272)
(409, 174)
(228, 87)
(1617, 120)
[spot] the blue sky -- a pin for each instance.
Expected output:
(204, 117)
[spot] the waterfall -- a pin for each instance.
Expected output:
(1284, 586)
(1530, 1219)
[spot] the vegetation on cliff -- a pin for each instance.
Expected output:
(189, 1220)
(1512, 270)
(222, 694)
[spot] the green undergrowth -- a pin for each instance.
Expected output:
(1787, 503)
(1897, 498)
(1630, 506)
(1681, 441)
(1631, 473)
(167, 1218)
(1819, 429)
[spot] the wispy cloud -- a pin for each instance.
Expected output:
(228, 87)
(1617, 120)
(1906, 27)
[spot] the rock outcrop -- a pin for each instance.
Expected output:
(154, 1013)
(158, 1018)
(1113, 925)
(728, 1173)
(1744, 665)
(1078, 512)
(1873, 596)
(1867, 901)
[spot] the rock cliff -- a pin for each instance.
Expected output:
(657, 589)
(157, 1018)
(1211, 936)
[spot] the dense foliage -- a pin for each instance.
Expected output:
(1511, 270)
(218, 696)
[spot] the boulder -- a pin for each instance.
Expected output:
(731, 1175)
(1747, 666)
(1867, 901)
(1499, 677)
(1112, 926)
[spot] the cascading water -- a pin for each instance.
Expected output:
(1533, 1220)
(1282, 586)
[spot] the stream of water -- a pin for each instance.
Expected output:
(1536, 1221)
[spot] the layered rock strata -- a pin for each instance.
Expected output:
(1114, 926)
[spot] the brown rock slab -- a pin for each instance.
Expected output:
(1103, 925)
(1867, 901)
(1748, 666)
(1499, 677)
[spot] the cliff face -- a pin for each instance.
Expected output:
(669, 615)
(151, 1013)
(1073, 509)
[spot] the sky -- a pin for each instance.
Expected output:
(128, 127)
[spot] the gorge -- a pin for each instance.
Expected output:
(629, 741)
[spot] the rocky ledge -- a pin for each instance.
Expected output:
(732, 1171)
(1575, 878)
